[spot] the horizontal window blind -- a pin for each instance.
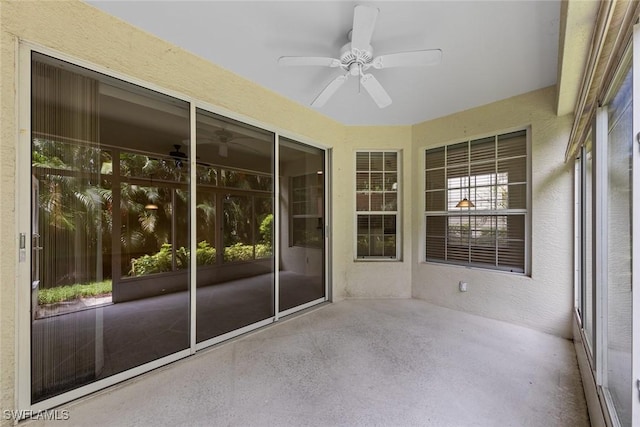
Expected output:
(490, 232)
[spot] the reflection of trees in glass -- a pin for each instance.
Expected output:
(247, 230)
(248, 223)
(206, 224)
(75, 203)
(74, 211)
(138, 165)
(245, 180)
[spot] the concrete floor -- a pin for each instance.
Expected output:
(358, 363)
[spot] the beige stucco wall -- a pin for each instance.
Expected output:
(543, 301)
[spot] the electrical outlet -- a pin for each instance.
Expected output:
(462, 286)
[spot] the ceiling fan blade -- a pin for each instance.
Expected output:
(375, 89)
(308, 60)
(328, 91)
(408, 59)
(364, 20)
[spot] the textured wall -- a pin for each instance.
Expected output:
(544, 300)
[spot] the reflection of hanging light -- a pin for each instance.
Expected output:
(151, 206)
(223, 150)
(465, 203)
(224, 136)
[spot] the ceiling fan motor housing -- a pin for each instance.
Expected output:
(350, 56)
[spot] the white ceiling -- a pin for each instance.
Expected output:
(491, 49)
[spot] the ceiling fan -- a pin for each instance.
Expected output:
(356, 57)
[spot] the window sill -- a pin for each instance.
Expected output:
(475, 267)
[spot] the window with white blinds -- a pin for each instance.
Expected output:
(377, 205)
(476, 203)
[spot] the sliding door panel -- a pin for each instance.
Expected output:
(302, 243)
(110, 226)
(234, 211)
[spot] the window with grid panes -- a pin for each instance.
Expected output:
(491, 231)
(377, 204)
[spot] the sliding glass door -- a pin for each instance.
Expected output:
(110, 227)
(126, 185)
(302, 224)
(235, 190)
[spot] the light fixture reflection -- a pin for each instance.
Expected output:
(151, 207)
(465, 203)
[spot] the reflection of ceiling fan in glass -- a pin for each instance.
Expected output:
(224, 138)
(178, 156)
(356, 57)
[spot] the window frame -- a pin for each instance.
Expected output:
(525, 212)
(397, 213)
(313, 194)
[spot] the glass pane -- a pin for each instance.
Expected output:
(512, 144)
(146, 238)
(435, 179)
(391, 181)
(390, 201)
(434, 158)
(206, 227)
(362, 201)
(484, 197)
(483, 149)
(390, 246)
(363, 245)
(302, 243)
(377, 181)
(110, 237)
(619, 295)
(457, 154)
(516, 196)
(362, 161)
(263, 217)
(511, 233)
(362, 181)
(235, 276)
(436, 230)
(458, 229)
(513, 170)
(588, 245)
(376, 201)
(377, 161)
(390, 161)
(434, 201)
